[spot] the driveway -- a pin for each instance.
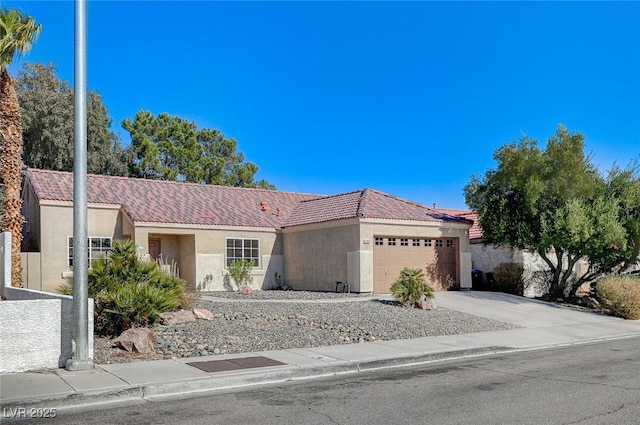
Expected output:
(542, 322)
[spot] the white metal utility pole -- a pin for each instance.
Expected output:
(80, 359)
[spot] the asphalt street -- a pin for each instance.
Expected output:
(590, 384)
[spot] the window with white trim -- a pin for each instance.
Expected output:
(438, 243)
(391, 241)
(427, 242)
(243, 249)
(404, 242)
(98, 248)
(449, 243)
(416, 242)
(379, 241)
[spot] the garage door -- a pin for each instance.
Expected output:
(436, 257)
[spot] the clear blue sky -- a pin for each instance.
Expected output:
(327, 97)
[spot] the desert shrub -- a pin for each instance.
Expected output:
(620, 296)
(411, 286)
(240, 272)
(130, 291)
(509, 278)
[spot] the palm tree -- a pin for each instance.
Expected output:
(17, 32)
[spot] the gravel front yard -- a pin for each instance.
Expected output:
(248, 327)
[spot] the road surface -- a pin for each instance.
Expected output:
(590, 384)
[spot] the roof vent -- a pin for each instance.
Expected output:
(264, 205)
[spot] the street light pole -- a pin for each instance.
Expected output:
(80, 343)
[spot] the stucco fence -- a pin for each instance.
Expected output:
(36, 327)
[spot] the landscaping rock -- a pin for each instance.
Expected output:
(139, 340)
(426, 303)
(243, 327)
(174, 317)
(590, 302)
(246, 290)
(202, 314)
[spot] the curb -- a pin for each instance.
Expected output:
(255, 378)
(200, 387)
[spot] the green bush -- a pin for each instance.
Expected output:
(240, 272)
(129, 290)
(411, 286)
(620, 295)
(509, 278)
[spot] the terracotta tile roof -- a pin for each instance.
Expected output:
(155, 201)
(476, 231)
(367, 203)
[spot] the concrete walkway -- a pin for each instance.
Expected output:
(543, 324)
(339, 299)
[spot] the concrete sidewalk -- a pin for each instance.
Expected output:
(543, 324)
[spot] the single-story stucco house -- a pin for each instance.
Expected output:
(361, 238)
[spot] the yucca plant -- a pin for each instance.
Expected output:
(129, 290)
(411, 286)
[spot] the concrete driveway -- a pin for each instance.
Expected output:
(542, 323)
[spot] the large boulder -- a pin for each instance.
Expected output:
(175, 317)
(139, 340)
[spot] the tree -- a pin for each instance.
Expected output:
(47, 104)
(17, 32)
(556, 203)
(166, 147)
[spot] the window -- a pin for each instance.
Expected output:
(427, 242)
(98, 248)
(379, 241)
(416, 242)
(243, 249)
(438, 243)
(404, 242)
(391, 241)
(449, 243)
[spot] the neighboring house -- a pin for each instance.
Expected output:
(486, 257)
(361, 238)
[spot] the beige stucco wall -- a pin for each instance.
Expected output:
(200, 253)
(213, 246)
(487, 257)
(316, 256)
(56, 220)
(197, 252)
(188, 258)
